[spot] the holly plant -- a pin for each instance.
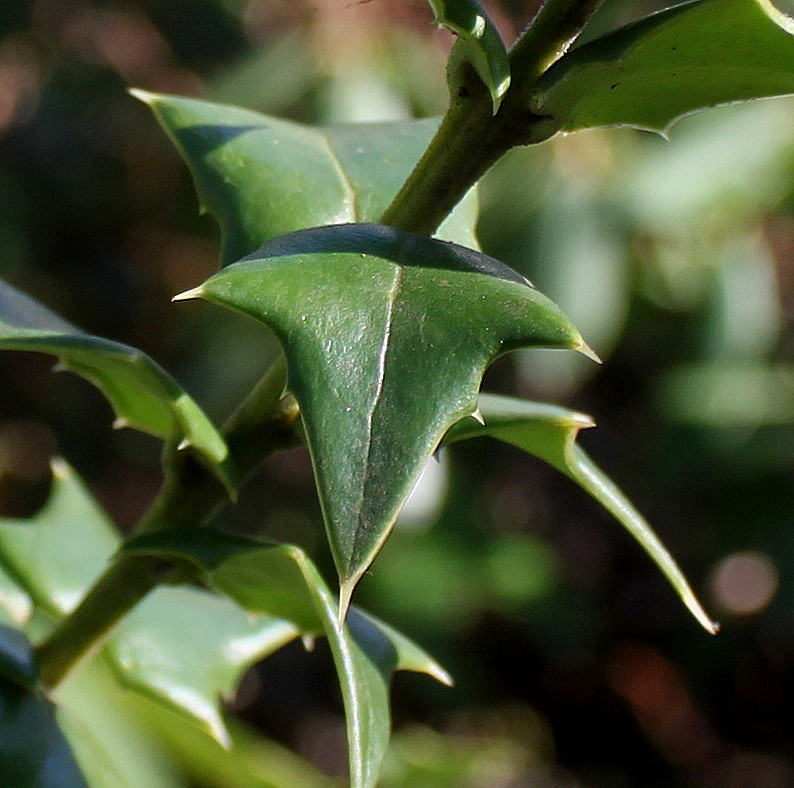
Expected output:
(355, 246)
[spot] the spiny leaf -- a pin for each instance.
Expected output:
(142, 394)
(687, 58)
(387, 335)
(281, 581)
(479, 44)
(262, 177)
(186, 648)
(181, 647)
(549, 432)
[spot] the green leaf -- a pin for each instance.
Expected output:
(387, 335)
(143, 395)
(687, 58)
(262, 177)
(549, 432)
(34, 752)
(479, 44)
(186, 649)
(181, 647)
(57, 554)
(283, 582)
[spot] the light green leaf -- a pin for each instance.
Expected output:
(479, 44)
(387, 335)
(181, 647)
(549, 432)
(687, 58)
(281, 581)
(58, 553)
(186, 648)
(34, 752)
(142, 393)
(262, 177)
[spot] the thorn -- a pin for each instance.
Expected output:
(586, 350)
(437, 454)
(185, 443)
(120, 423)
(142, 95)
(478, 417)
(308, 642)
(188, 295)
(60, 366)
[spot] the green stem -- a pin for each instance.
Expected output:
(190, 497)
(470, 139)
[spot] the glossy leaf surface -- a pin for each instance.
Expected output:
(549, 432)
(142, 393)
(262, 177)
(282, 581)
(387, 335)
(187, 648)
(687, 58)
(479, 43)
(181, 647)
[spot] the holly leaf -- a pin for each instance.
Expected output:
(387, 335)
(549, 432)
(678, 61)
(282, 581)
(142, 394)
(479, 44)
(261, 177)
(187, 649)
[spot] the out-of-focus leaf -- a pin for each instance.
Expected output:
(33, 751)
(15, 605)
(17, 658)
(182, 647)
(387, 335)
(142, 393)
(549, 432)
(115, 746)
(186, 648)
(252, 762)
(57, 554)
(479, 44)
(262, 177)
(687, 58)
(283, 582)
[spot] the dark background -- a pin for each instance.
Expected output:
(575, 663)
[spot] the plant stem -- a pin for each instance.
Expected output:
(190, 496)
(470, 139)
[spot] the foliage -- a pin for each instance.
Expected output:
(332, 238)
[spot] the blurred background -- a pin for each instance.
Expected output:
(575, 664)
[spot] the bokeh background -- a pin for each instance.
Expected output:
(575, 664)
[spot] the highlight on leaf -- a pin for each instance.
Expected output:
(387, 335)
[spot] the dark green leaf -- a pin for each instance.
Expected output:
(387, 335)
(479, 44)
(262, 177)
(34, 752)
(687, 58)
(282, 581)
(17, 658)
(549, 432)
(143, 395)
